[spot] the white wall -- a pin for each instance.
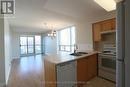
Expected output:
(7, 47)
(4, 51)
(15, 53)
(50, 45)
(84, 36)
(2, 56)
(83, 33)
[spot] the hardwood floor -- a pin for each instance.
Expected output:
(27, 72)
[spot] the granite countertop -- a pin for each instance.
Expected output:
(63, 57)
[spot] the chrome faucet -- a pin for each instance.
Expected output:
(75, 48)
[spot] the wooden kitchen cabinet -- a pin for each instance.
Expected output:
(86, 69)
(50, 74)
(82, 72)
(92, 66)
(96, 32)
(113, 24)
(106, 25)
(102, 26)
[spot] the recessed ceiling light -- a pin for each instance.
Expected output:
(108, 5)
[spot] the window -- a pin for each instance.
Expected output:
(37, 44)
(30, 44)
(23, 45)
(66, 39)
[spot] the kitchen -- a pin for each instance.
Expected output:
(79, 66)
(103, 63)
(83, 65)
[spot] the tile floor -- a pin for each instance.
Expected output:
(99, 82)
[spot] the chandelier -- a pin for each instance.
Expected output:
(52, 34)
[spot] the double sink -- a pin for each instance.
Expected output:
(78, 53)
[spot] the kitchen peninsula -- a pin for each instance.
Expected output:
(64, 70)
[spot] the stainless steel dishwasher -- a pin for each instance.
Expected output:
(66, 74)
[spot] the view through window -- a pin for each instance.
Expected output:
(66, 39)
(30, 45)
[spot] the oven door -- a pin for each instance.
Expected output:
(107, 67)
(107, 63)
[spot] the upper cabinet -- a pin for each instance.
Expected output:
(108, 25)
(96, 32)
(113, 24)
(103, 26)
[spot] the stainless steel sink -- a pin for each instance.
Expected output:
(82, 52)
(78, 53)
(75, 54)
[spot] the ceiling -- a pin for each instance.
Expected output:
(32, 15)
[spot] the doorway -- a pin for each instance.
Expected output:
(30, 45)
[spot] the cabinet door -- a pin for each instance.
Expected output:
(86, 69)
(96, 32)
(92, 66)
(82, 71)
(113, 22)
(106, 25)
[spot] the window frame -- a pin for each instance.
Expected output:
(34, 45)
(58, 39)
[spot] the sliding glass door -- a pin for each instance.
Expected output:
(37, 44)
(23, 45)
(30, 45)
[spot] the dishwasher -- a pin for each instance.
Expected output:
(66, 74)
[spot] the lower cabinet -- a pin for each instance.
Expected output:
(82, 71)
(86, 69)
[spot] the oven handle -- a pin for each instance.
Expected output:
(106, 56)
